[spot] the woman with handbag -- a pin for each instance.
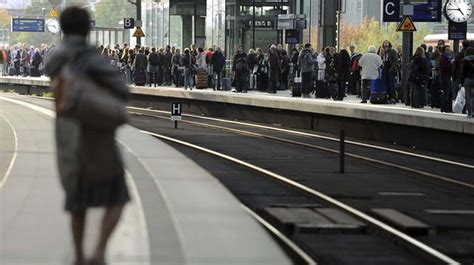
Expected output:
(90, 96)
(418, 78)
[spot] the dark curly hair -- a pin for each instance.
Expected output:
(75, 21)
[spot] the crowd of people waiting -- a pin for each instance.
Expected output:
(19, 60)
(436, 74)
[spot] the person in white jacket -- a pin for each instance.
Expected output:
(321, 59)
(201, 59)
(370, 64)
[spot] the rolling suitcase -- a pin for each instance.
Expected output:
(296, 89)
(201, 79)
(11, 70)
(35, 72)
(322, 89)
(333, 90)
(139, 77)
(435, 93)
(378, 92)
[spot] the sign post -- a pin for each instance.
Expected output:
(176, 113)
(407, 27)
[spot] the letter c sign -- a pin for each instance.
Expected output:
(391, 10)
(390, 6)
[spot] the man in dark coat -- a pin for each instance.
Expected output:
(274, 61)
(241, 70)
(217, 63)
(141, 61)
(390, 70)
(167, 66)
(90, 165)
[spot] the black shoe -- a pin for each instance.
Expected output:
(363, 101)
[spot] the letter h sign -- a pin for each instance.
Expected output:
(176, 111)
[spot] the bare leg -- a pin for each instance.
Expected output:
(110, 221)
(78, 221)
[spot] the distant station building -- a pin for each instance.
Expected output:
(224, 23)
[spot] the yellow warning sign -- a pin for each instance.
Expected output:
(139, 33)
(406, 25)
(53, 12)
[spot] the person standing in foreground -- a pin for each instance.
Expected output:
(90, 96)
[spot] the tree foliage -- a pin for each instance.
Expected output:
(371, 32)
(5, 19)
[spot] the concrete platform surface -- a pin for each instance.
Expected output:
(179, 213)
(350, 107)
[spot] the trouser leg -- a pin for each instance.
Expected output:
(306, 83)
(469, 90)
(218, 78)
(364, 89)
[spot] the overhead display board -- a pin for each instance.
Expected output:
(27, 25)
(423, 10)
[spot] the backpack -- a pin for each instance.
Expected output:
(302, 61)
(355, 63)
(241, 65)
(414, 73)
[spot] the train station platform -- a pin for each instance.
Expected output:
(179, 213)
(398, 114)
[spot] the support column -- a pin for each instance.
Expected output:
(187, 31)
(328, 26)
(200, 31)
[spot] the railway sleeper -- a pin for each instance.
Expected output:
(313, 220)
(401, 221)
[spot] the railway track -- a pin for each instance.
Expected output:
(443, 184)
(450, 237)
(457, 173)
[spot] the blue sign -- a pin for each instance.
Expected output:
(457, 31)
(27, 25)
(128, 23)
(428, 12)
(292, 36)
(424, 11)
